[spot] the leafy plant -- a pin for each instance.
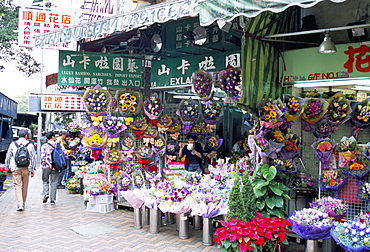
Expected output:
(236, 204)
(248, 198)
(269, 193)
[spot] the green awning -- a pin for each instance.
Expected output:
(212, 10)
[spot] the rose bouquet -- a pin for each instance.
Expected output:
(293, 107)
(324, 150)
(153, 106)
(230, 82)
(202, 84)
(113, 156)
(286, 166)
(347, 150)
(353, 236)
(332, 180)
(212, 142)
(211, 111)
(237, 235)
(270, 114)
(364, 190)
(200, 128)
(152, 174)
(357, 169)
(339, 110)
(311, 224)
(360, 117)
(189, 111)
(323, 130)
(335, 208)
(313, 110)
(94, 137)
(129, 102)
(97, 101)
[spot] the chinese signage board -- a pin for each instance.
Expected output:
(172, 73)
(156, 13)
(62, 103)
(176, 41)
(34, 22)
(350, 61)
(90, 69)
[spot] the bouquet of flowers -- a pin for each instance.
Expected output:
(202, 84)
(150, 132)
(189, 111)
(311, 224)
(210, 203)
(175, 128)
(366, 151)
(231, 83)
(153, 106)
(339, 110)
(323, 130)
(97, 101)
(286, 165)
(164, 123)
(277, 142)
(212, 142)
(244, 165)
(144, 151)
(262, 145)
(347, 150)
(159, 146)
(152, 174)
(73, 185)
(324, 149)
(353, 236)
(313, 110)
(94, 137)
(137, 179)
(357, 169)
(270, 114)
(113, 156)
(360, 117)
(363, 190)
(125, 182)
(335, 208)
(73, 127)
(200, 128)
(83, 153)
(291, 147)
(113, 126)
(73, 143)
(129, 102)
(139, 125)
(293, 107)
(127, 167)
(100, 187)
(171, 149)
(332, 180)
(128, 145)
(211, 111)
(261, 232)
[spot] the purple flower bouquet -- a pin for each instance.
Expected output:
(339, 110)
(189, 111)
(313, 110)
(323, 130)
(153, 106)
(335, 208)
(231, 83)
(324, 149)
(97, 101)
(360, 116)
(211, 111)
(364, 190)
(202, 84)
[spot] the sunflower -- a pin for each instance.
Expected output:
(132, 109)
(132, 98)
(128, 103)
(124, 108)
(122, 97)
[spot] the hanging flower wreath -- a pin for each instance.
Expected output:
(202, 84)
(231, 83)
(97, 101)
(153, 106)
(189, 111)
(129, 102)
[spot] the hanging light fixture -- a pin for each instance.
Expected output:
(327, 46)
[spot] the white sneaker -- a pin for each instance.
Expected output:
(20, 208)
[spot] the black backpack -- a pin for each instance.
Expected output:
(58, 160)
(22, 156)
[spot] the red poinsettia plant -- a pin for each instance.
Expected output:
(237, 235)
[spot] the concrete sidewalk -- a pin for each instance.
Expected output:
(67, 226)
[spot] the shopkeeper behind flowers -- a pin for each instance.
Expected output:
(193, 152)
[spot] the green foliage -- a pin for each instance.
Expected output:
(9, 51)
(236, 205)
(269, 193)
(249, 199)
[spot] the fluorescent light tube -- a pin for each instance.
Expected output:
(361, 88)
(332, 82)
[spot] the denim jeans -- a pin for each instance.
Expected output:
(195, 167)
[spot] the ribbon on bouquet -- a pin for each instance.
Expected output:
(128, 120)
(162, 130)
(175, 135)
(95, 154)
(129, 153)
(139, 133)
(96, 120)
(144, 162)
(147, 140)
(115, 166)
(211, 127)
(170, 158)
(154, 121)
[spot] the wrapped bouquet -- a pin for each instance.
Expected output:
(335, 208)
(212, 142)
(323, 130)
(97, 101)
(357, 169)
(113, 156)
(324, 149)
(202, 84)
(94, 137)
(113, 126)
(200, 128)
(189, 111)
(347, 150)
(129, 102)
(153, 106)
(291, 147)
(332, 180)
(270, 114)
(339, 110)
(164, 123)
(293, 107)
(211, 112)
(286, 166)
(139, 125)
(231, 83)
(313, 110)
(360, 117)
(364, 190)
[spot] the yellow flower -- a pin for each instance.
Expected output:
(266, 108)
(132, 98)
(124, 108)
(128, 103)
(272, 107)
(122, 97)
(273, 114)
(132, 109)
(95, 139)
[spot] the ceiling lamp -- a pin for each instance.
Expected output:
(357, 34)
(156, 42)
(224, 25)
(333, 82)
(327, 46)
(200, 35)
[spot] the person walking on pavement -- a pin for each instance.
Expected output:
(20, 174)
(49, 174)
(62, 139)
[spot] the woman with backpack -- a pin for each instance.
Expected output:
(21, 161)
(50, 172)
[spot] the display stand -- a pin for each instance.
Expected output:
(311, 246)
(154, 221)
(145, 215)
(183, 226)
(197, 222)
(207, 232)
(138, 224)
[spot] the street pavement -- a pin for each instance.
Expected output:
(67, 226)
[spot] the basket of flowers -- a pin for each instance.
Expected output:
(230, 82)
(73, 185)
(202, 84)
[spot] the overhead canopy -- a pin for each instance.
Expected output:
(212, 10)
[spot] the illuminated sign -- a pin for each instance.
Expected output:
(62, 102)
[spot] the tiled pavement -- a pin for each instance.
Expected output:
(67, 226)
